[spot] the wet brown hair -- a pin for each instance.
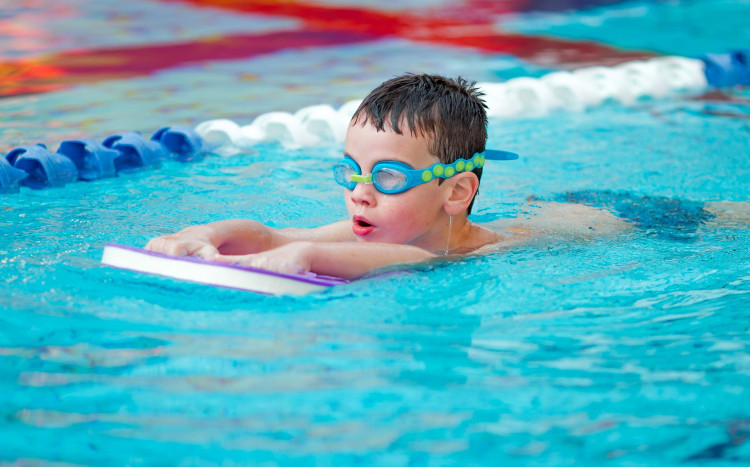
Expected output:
(450, 113)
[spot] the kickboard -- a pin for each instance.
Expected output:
(194, 269)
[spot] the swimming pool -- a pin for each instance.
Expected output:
(620, 351)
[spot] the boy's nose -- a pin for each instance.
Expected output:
(364, 194)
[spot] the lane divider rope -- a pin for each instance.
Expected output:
(575, 91)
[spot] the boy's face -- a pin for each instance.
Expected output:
(414, 217)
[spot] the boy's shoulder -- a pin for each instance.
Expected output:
(551, 217)
(479, 237)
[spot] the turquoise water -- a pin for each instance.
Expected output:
(686, 28)
(627, 350)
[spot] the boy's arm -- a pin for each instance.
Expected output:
(347, 260)
(241, 236)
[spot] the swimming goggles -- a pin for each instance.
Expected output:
(392, 177)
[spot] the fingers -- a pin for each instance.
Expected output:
(228, 259)
(175, 246)
(253, 261)
(208, 252)
(167, 245)
(268, 262)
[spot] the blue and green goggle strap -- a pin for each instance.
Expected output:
(416, 177)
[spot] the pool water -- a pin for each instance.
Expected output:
(622, 350)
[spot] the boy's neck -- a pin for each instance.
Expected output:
(453, 235)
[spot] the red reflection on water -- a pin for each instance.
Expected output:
(469, 24)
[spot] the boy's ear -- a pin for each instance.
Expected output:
(460, 191)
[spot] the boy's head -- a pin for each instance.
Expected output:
(449, 113)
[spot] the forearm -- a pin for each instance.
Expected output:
(239, 236)
(207, 240)
(353, 259)
(243, 236)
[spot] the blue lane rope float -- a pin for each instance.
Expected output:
(183, 142)
(90, 157)
(10, 177)
(729, 69)
(36, 167)
(44, 168)
(134, 152)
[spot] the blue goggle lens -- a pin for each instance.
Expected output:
(388, 180)
(385, 179)
(343, 174)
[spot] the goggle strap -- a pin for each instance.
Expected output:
(461, 165)
(439, 170)
(498, 155)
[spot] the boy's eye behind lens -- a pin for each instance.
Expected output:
(389, 179)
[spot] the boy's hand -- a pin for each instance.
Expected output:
(292, 258)
(193, 241)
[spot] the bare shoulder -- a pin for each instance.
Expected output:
(570, 219)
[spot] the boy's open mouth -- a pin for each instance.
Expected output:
(362, 223)
(361, 226)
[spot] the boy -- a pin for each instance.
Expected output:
(413, 152)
